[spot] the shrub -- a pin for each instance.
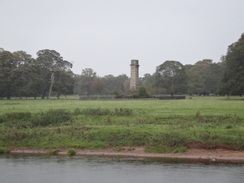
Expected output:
(103, 112)
(96, 112)
(77, 111)
(166, 142)
(4, 150)
(16, 119)
(119, 148)
(51, 117)
(172, 139)
(71, 152)
(54, 152)
(239, 143)
(228, 127)
(17, 116)
(123, 112)
(217, 118)
(180, 149)
(142, 92)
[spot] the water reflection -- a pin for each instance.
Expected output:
(63, 169)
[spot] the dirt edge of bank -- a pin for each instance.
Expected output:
(216, 155)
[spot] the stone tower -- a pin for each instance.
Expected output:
(134, 74)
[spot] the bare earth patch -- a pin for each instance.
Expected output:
(214, 155)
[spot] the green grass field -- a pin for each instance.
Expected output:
(159, 125)
(204, 105)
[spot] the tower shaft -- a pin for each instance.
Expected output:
(134, 74)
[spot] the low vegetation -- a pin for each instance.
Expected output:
(53, 152)
(71, 152)
(160, 126)
(4, 150)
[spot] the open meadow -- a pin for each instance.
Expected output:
(158, 125)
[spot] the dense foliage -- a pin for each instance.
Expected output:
(233, 80)
(172, 77)
(50, 75)
(23, 76)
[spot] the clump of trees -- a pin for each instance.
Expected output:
(174, 78)
(88, 83)
(49, 74)
(23, 76)
(233, 79)
(171, 76)
(203, 78)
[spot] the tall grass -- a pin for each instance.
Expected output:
(160, 126)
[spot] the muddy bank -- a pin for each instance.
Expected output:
(199, 155)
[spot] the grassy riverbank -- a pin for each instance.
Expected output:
(160, 126)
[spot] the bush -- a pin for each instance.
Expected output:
(239, 142)
(118, 137)
(123, 112)
(16, 119)
(15, 116)
(25, 119)
(119, 148)
(77, 112)
(217, 118)
(180, 149)
(51, 117)
(71, 152)
(96, 112)
(142, 92)
(103, 112)
(172, 139)
(4, 150)
(54, 152)
(166, 142)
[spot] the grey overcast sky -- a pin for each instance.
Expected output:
(106, 34)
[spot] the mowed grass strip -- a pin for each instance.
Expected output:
(205, 105)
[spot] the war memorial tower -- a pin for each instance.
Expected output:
(134, 74)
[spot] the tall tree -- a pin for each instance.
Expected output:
(84, 81)
(24, 74)
(148, 81)
(51, 63)
(172, 77)
(197, 76)
(64, 83)
(97, 86)
(115, 84)
(213, 76)
(7, 65)
(233, 80)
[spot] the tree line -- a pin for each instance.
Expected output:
(49, 74)
(204, 77)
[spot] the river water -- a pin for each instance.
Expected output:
(84, 169)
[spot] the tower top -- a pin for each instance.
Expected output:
(134, 63)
